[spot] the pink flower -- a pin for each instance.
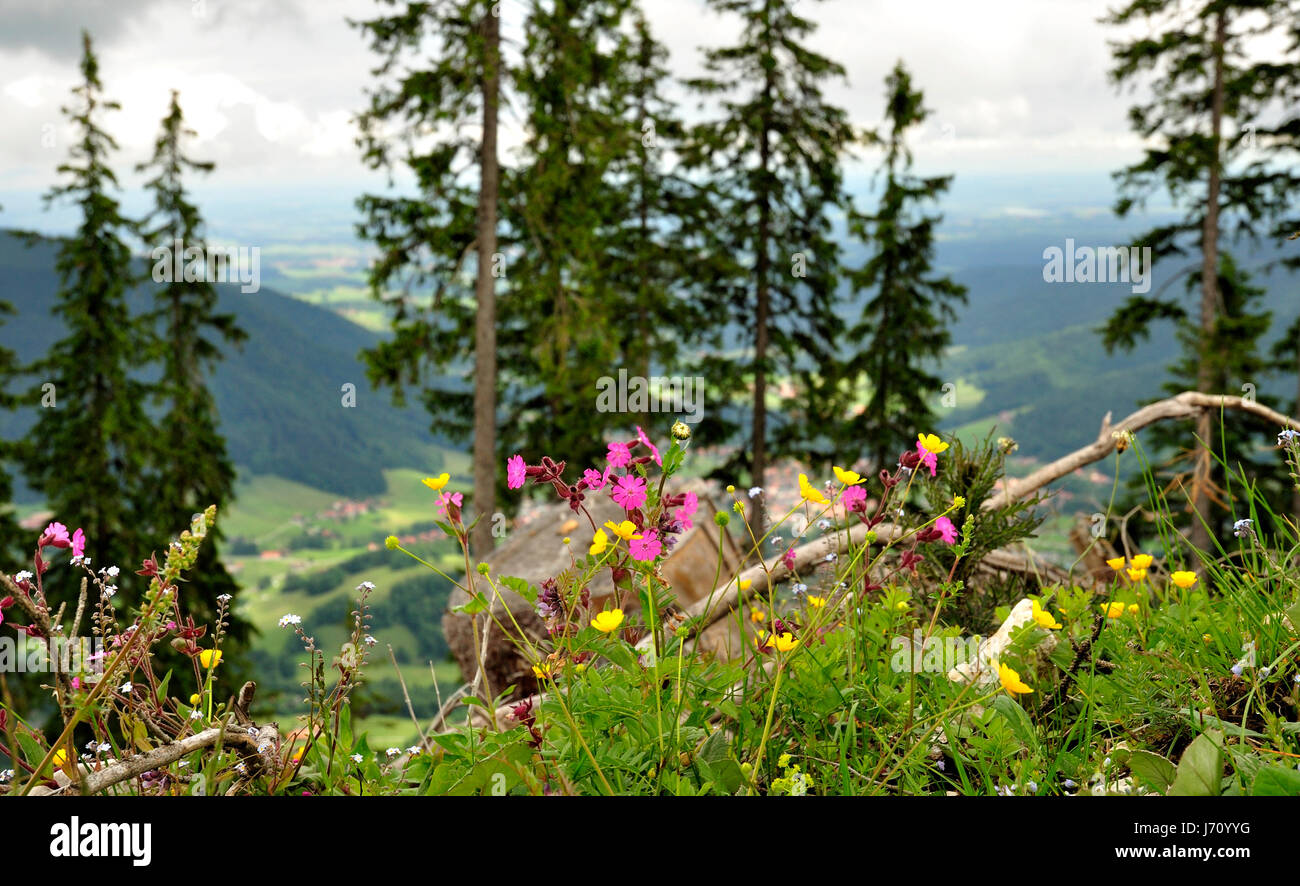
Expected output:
(946, 530)
(78, 544)
(595, 479)
(629, 492)
(618, 456)
(855, 498)
(55, 534)
(645, 441)
(645, 548)
(928, 458)
(788, 558)
(684, 514)
(445, 499)
(515, 472)
(76, 682)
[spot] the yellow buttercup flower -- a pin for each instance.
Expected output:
(1137, 574)
(1011, 681)
(901, 605)
(195, 698)
(1183, 579)
(542, 670)
(808, 493)
(625, 530)
(1142, 561)
(60, 757)
(1044, 618)
(757, 615)
(1113, 610)
(608, 621)
(1133, 609)
(436, 483)
(958, 501)
(848, 478)
(784, 642)
(745, 583)
(1116, 563)
(598, 543)
(931, 443)
(210, 658)
(816, 602)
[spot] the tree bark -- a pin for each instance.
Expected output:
(485, 321)
(762, 266)
(1201, 479)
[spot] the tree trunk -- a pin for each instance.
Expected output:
(485, 321)
(758, 455)
(1201, 504)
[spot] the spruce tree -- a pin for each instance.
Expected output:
(189, 464)
(88, 451)
(772, 159)
(1212, 120)
(11, 542)
(442, 72)
(904, 323)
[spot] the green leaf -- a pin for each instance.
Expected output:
(1152, 770)
(1017, 719)
(521, 587)
(162, 687)
(1276, 781)
(1200, 771)
(478, 603)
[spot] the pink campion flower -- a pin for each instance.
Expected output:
(684, 514)
(645, 548)
(788, 558)
(445, 499)
(515, 472)
(629, 492)
(855, 498)
(946, 530)
(645, 441)
(595, 479)
(55, 534)
(928, 458)
(618, 456)
(78, 544)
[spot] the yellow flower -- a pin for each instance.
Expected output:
(848, 478)
(757, 615)
(542, 670)
(60, 757)
(807, 493)
(901, 605)
(297, 755)
(1044, 618)
(1011, 681)
(1116, 563)
(436, 483)
(598, 543)
(608, 621)
(1183, 579)
(1206, 639)
(738, 507)
(195, 698)
(1137, 574)
(816, 602)
(210, 658)
(1133, 609)
(784, 643)
(958, 501)
(1113, 610)
(1142, 561)
(730, 489)
(745, 583)
(625, 530)
(931, 443)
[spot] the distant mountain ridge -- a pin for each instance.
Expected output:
(280, 396)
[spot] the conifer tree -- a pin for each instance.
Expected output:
(1217, 134)
(904, 323)
(88, 451)
(10, 538)
(442, 72)
(773, 162)
(189, 464)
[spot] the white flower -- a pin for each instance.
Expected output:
(831, 557)
(196, 715)
(224, 598)
(1241, 527)
(823, 525)
(183, 763)
(103, 748)
(370, 641)
(22, 577)
(290, 619)
(125, 687)
(393, 752)
(357, 758)
(413, 749)
(1287, 435)
(6, 775)
(755, 491)
(366, 586)
(799, 589)
(112, 571)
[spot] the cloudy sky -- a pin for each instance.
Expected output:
(1023, 112)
